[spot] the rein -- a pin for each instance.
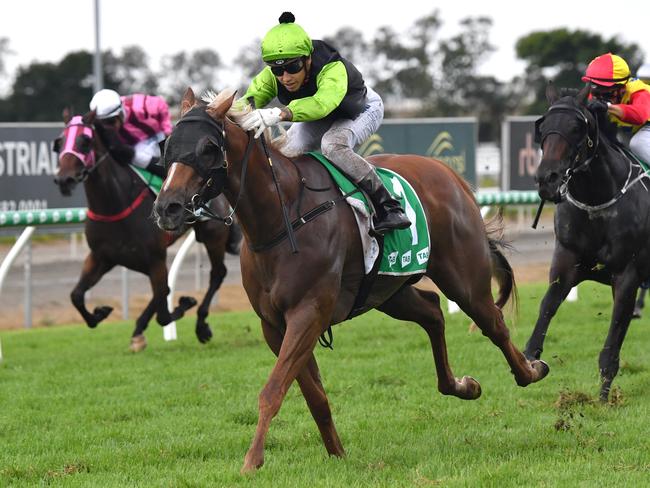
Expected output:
(198, 203)
(593, 209)
(302, 220)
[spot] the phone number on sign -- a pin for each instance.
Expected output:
(13, 205)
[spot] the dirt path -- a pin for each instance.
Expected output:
(230, 297)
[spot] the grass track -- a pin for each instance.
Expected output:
(76, 409)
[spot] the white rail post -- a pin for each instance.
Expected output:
(125, 293)
(169, 331)
(14, 252)
(28, 284)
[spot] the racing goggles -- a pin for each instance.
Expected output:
(607, 93)
(291, 67)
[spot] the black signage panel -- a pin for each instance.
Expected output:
(28, 166)
(520, 154)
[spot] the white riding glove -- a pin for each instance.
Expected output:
(260, 119)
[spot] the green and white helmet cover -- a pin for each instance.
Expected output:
(286, 40)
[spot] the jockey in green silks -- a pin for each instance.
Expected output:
(332, 109)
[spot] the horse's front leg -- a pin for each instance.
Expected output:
(93, 269)
(213, 237)
(312, 389)
(624, 287)
(563, 275)
(304, 324)
(158, 280)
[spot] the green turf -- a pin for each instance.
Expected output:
(77, 409)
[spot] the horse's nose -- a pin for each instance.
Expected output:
(169, 213)
(543, 177)
(65, 184)
(173, 210)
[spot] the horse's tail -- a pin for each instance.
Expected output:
(501, 270)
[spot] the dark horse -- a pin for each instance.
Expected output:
(602, 219)
(299, 295)
(121, 231)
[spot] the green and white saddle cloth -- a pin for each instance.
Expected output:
(406, 251)
(154, 182)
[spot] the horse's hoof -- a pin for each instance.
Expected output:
(470, 389)
(251, 466)
(138, 343)
(204, 334)
(637, 313)
(186, 302)
(100, 313)
(541, 369)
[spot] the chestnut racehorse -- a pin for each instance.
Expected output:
(300, 295)
(121, 231)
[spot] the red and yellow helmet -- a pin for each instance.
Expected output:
(607, 70)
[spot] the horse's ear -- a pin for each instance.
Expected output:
(218, 108)
(552, 93)
(582, 95)
(89, 117)
(188, 101)
(67, 115)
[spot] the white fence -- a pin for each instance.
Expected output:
(31, 219)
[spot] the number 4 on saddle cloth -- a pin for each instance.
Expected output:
(405, 251)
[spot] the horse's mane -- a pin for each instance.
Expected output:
(240, 109)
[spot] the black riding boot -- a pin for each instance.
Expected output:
(389, 213)
(233, 245)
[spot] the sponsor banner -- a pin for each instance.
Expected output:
(28, 166)
(451, 140)
(520, 154)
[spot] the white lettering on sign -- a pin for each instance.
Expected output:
(14, 205)
(529, 157)
(27, 158)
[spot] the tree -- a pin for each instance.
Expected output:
(249, 61)
(42, 90)
(132, 70)
(198, 69)
(4, 51)
(350, 43)
(562, 56)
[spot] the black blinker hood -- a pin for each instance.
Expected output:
(183, 145)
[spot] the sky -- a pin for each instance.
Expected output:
(45, 30)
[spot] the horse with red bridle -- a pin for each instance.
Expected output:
(120, 231)
(298, 296)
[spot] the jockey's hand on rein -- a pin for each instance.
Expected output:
(258, 120)
(597, 105)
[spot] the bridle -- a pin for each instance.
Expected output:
(216, 176)
(585, 152)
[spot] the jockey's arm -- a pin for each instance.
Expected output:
(637, 112)
(263, 89)
(332, 85)
(147, 151)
